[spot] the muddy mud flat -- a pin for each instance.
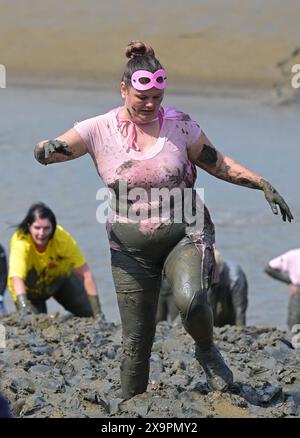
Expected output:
(66, 367)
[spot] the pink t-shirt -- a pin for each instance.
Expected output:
(157, 167)
(288, 263)
(165, 165)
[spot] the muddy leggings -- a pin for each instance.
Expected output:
(294, 309)
(69, 293)
(137, 278)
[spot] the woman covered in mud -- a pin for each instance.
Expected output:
(45, 262)
(138, 148)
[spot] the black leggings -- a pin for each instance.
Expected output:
(70, 294)
(137, 280)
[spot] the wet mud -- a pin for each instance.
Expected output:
(69, 367)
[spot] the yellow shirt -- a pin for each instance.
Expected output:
(40, 269)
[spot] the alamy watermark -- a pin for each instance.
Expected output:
(154, 206)
(2, 76)
(296, 336)
(296, 78)
(2, 336)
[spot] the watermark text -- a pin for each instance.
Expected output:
(156, 205)
(296, 78)
(2, 336)
(2, 76)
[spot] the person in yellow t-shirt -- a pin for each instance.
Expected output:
(45, 262)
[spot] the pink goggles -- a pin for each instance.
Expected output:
(144, 80)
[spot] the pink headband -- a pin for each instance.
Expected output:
(152, 82)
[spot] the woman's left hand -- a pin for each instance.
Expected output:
(274, 199)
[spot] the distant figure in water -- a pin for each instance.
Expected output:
(286, 268)
(228, 296)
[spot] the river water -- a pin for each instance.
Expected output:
(261, 136)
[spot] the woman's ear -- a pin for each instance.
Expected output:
(123, 90)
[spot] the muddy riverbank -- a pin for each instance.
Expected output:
(65, 368)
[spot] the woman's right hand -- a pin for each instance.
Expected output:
(65, 147)
(23, 305)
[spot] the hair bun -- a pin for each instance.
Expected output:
(138, 48)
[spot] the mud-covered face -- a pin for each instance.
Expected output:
(142, 106)
(41, 230)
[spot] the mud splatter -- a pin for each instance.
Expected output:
(69, 367)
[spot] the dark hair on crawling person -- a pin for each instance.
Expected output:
(37, 211)
(141, 57)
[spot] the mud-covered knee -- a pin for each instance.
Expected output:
(198, 305)
(184, 294)
(199, 320)
(199, 316)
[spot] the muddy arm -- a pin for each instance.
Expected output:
(64, 148)
(205, 155)
(275, 273)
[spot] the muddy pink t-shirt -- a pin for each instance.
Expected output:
(165, 165)
(288, 263)
(161, 166)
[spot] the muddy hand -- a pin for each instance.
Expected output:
(274, 199)
(45, 149)
(55, 146)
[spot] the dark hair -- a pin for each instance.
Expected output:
(38, 210)
(141, 57)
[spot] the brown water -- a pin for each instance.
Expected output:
(212, 43)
